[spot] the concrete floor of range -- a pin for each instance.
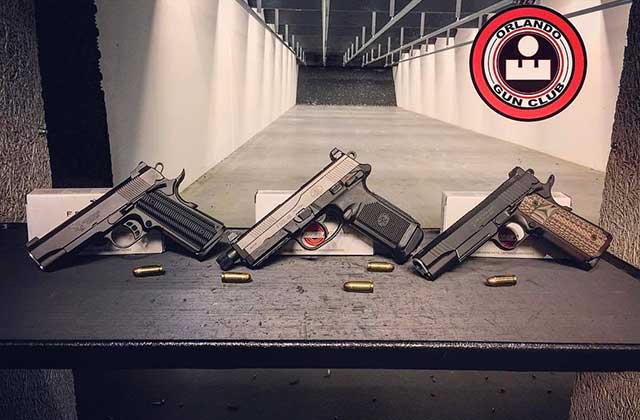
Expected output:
(414, 158)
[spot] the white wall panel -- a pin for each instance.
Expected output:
(581, 133)
(188, 82)
(415, 98)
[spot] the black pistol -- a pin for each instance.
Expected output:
(146, 200)
(521, 206)
(339, 188)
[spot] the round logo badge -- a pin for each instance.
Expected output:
(314, 235)
(383, 219)
(528, 63)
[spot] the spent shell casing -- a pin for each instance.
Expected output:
(229, 277)
(358, 286)
(500, 281)
(148, 270)
(380, 267)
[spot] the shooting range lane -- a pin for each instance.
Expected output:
(295, 314)
(414, 159)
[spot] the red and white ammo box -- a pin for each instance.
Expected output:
(346, 242)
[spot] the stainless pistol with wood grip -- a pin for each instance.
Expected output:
(521, 206)
(145, 200)
(339, 188)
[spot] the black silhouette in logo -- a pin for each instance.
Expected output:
(528, 63)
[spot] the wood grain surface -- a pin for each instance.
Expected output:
(302, 299)
(24, 155)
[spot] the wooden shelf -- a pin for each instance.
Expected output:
(93, 312)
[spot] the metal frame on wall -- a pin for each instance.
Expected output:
(292, 46)
(351, 54)
(361, 47)
(581, 12)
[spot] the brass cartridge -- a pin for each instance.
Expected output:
(358, 286)
(229, 277)
(380, 267)
(501, 281)
(148, 270)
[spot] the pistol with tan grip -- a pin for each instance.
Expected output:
(145, 200)
(520, 207)
(340, 189)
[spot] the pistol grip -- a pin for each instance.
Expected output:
(390, 226)
(578, 237)
(189, 227)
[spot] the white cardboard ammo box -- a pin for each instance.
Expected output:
(456, 204)
(347, 242)
(47, 208)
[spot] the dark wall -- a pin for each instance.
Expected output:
(312, 394)
(24, 166)
(73, 97)
(49, 73)
(37, 394)
(617, 395)
(345, 86)
(620, 211)
(24, 158)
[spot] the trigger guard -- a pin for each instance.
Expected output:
(300, 237)
(130, 228)
(508, 243)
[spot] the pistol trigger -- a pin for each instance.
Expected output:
(109, 237)
(300, 238)
(327, 237)
(509, 236)
(126, 234)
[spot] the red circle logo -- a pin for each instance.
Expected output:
(314, 235)
(528, 63)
